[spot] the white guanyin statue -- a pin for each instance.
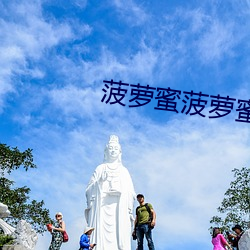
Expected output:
(110, 198)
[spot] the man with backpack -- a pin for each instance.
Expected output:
(144, 223)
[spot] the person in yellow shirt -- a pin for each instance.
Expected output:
(144, 223)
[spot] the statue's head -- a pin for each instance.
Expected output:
(113, 150)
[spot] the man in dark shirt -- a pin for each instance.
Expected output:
(236, 237)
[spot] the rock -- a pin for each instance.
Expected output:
(244, 242)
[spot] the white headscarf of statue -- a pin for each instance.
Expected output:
(113, 139)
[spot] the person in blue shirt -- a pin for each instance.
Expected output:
(84, 240)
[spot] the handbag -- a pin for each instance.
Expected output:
(49, 227)
(65, 236)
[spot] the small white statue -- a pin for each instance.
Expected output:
(25, 235)
(110, 198)
(244, 242)
(4, 212)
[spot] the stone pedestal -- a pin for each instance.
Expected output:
(13, 247)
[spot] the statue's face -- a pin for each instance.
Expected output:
(114, 150)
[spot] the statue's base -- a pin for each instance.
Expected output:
(13, 247)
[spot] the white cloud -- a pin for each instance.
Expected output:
(25, 35)
(32, 33)
(217, 42)
(81, 102)
(139, 66)
(199, 33)
(80, 3)
(198, 20)
(131, 12)
(107, 65)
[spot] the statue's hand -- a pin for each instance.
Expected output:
(132, 217)
(90, 201)
(90, 204)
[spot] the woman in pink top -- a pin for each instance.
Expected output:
(218, 240)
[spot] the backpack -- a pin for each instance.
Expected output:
(149, 212)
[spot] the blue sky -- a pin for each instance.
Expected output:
(54, 58)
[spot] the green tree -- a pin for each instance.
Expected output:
(235, 207)
(17, 199)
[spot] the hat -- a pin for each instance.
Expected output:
(59, 213)
(237, 227)
(87, 229)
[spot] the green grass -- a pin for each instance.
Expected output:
(6, 240)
